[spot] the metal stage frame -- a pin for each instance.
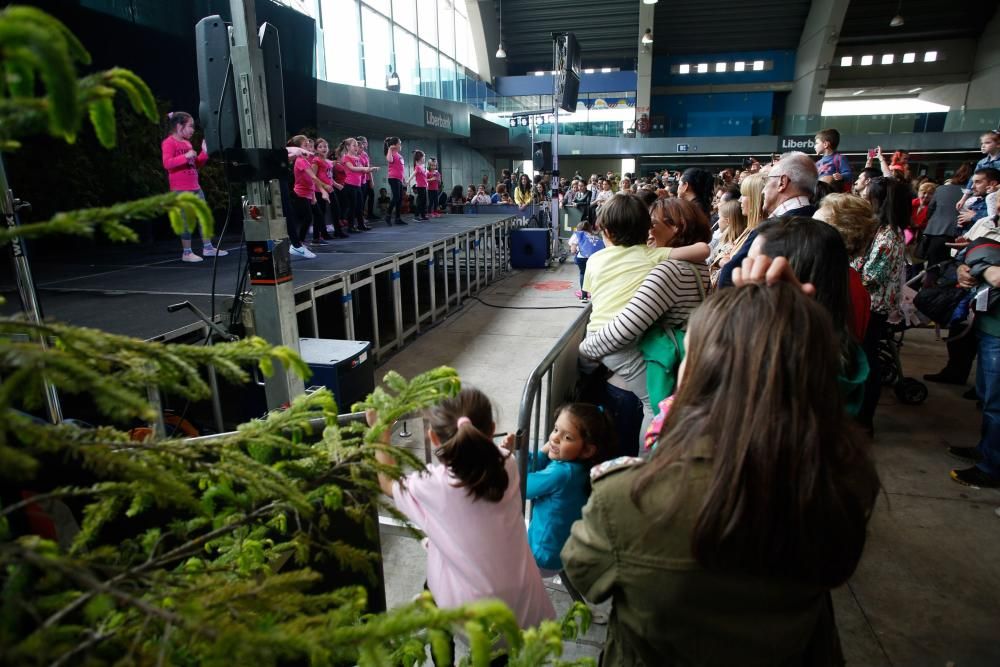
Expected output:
(449, 270)
(370, 287)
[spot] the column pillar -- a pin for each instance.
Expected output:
(644, 62)
(814, 56)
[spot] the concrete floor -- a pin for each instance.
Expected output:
(927, 591)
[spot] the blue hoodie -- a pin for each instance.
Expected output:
(558, 491)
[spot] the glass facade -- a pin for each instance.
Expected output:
(426, 42)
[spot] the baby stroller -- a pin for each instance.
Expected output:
(935, 303)
(909, 391)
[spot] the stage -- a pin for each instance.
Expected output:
(382, 285)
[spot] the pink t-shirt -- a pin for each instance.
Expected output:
(476, 549)
(304, 185)
(183, 175)
(395, 165)
(355, 178)
(365, 162)
(324, 170)
(433, 179)
(419, 176)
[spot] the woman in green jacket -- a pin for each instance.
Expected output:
(722, 548)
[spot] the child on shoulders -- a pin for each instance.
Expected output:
(832, 166)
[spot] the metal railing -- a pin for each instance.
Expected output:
(549, 386)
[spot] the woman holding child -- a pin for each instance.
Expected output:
(654, 274)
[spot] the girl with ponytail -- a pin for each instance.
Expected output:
(469, 506)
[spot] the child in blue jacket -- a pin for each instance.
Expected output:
(559, 481)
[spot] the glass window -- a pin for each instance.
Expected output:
(448, 91)
(377, 47)
(465, 50)
(407, 66)
(343, 56)
(429, 76)
(379, 5)
(446, 27)
(404, 13)
(427, 21)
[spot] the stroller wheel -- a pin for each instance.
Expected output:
(911, 392)
(888, 370)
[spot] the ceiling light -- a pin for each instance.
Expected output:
(501, 54)
(858, 92)
(930, 56)
(604, 70)
(758, 65)
(887, 58)
(702, 68)
(739, 66)
(846, 61)
(647, 37)
(909, 57)
(914, 90)
(720, 67)
(897, 20)
(684, 69)
(649, 2)
(867, 60)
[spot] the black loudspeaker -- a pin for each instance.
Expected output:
(217, 107)
(567, 90)
(217, 111)
(541, 156)
(529, 248)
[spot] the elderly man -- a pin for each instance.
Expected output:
(788, 191)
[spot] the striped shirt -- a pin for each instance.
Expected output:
(668, 295)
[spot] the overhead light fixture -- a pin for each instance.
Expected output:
(501, 54)
(915, 90)
(649, 2)
(858, 92)
(647, 37)
(897, 20)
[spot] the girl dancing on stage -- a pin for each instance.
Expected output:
(182, 164)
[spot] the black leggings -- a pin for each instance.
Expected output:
(349, 203)
(396, 186)
(306, 214)
(421, 201)
(873, 386)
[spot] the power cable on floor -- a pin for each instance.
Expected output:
(493, 305)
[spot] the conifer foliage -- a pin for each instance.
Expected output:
(189, 552)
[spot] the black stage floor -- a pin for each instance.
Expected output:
(125, 289)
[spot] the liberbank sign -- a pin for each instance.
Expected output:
(437, 119)
(800, 142)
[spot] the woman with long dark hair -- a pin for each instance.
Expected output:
(881, 270)
(722, 548)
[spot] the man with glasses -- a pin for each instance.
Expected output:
(788, 191)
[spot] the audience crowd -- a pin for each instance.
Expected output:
(733, 469)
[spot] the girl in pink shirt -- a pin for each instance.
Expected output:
(396, 174)
(419, 177)
(329, 206)
(433, 187)
(356, 174)
(469, 506)
(303, 198)
(182, 164)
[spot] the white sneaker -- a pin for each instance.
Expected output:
(211, 251)
(191, 257)
(301, 251)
